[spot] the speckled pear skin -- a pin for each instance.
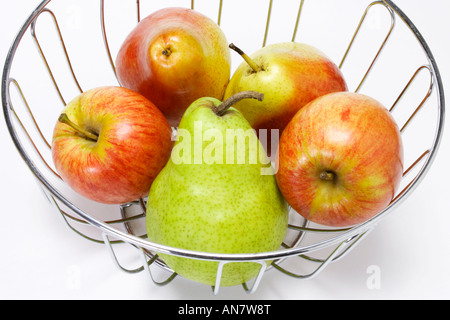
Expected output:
(217, 208)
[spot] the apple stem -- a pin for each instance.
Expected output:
(327, 176)
(63, 118)
(224, 106)
(247, 59)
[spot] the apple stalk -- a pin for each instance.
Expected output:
(328, 176)
(63, 118)
(247, 59)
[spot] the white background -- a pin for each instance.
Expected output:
(40, 258)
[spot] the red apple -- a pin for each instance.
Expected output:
(340, 159)
(110, 143)
(174, 57)
(290, 75)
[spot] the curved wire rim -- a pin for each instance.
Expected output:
(345, 236)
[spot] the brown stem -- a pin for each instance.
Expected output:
(63, 118)
(247, 59)
(327, 175)
(224, 106)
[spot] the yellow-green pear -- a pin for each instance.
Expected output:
(217, 194)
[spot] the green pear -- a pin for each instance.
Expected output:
(217, 194)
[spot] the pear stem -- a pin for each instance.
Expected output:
(327, 175)
(224, 106)
(63, 118)
(247, 59)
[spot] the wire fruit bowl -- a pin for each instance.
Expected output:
(54, 32)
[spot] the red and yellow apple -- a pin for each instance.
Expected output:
(174, 57)
(110, 143)
(290, 75)
(340, 159)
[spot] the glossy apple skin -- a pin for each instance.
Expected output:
(134, 144)
(293, 75)
(356, 138)
(198, 64)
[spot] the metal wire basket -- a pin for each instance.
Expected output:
(49, 49)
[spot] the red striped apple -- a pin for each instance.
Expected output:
(110, 143)
(340, 160)
(290, 75)
(174, 57)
